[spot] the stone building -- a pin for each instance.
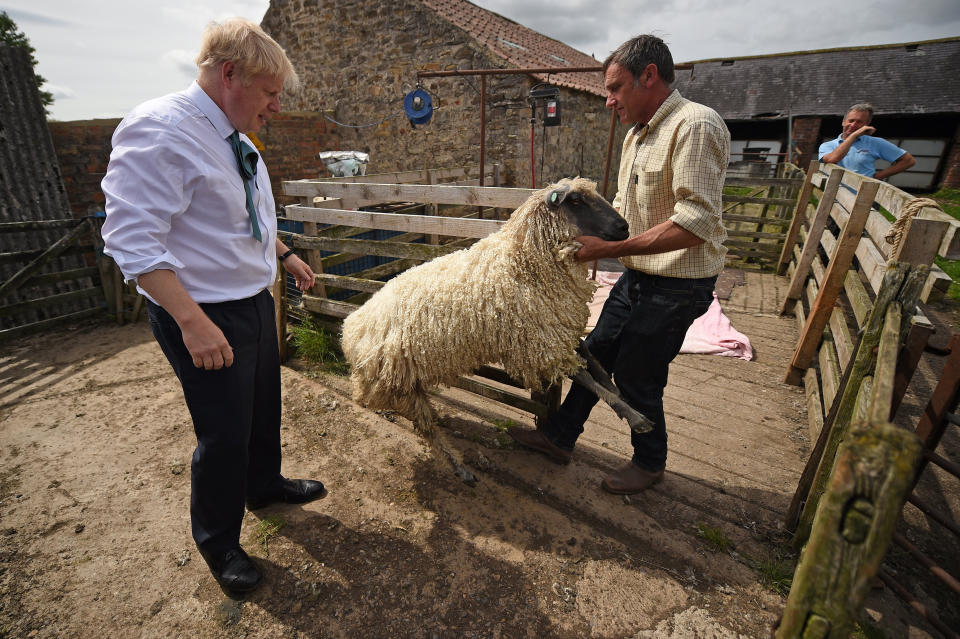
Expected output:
(801, 97)
(357, 61)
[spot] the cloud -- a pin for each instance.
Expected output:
(22, 17)
(59, 92)
(181, 60)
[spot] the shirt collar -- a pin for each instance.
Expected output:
(669, 105)
(209, 108)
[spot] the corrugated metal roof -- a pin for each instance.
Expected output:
(908, 78)
(518, 46)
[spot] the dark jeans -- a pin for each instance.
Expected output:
(236, 415)
(639, 332)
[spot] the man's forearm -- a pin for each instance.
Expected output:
(662, 238)
(838, 153)
(902, 163)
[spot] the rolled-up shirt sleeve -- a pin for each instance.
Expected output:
(700, 159)
(144, 190)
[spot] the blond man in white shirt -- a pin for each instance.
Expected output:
(669, 190)
(191, 219)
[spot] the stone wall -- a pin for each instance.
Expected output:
(83, 151)
(291, 143)
(357, 61)
(951, 166)
(806, 140)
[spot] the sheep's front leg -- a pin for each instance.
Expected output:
(597, 380)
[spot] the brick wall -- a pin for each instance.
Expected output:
(83, 150)
(357, 61)
(806, 136)
(291, 143)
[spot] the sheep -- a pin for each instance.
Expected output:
(517, 297)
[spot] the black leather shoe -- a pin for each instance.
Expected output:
(290, 491)
(234, 570)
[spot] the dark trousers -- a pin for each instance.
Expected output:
(639, 332)
(236, 415)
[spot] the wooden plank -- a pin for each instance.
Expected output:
(814, 403)
(829, 371)
(910, 355)
(753, 219)
(36, 327)
(324, 306)
(761, 181)
(746, 199)
(452, 226)
(851, 533)
(65, 276)
(881, 398)
(921, 242)
(809, 251)
(504, 397)
(858, 297)
(759, 235)
(351, 283)
(836, 272)
(840, 333)
(50, 300)
(380, 248)
(34, 225)
(363, 194)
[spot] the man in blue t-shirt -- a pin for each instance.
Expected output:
(856, 149)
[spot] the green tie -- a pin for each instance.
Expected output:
(247, 164)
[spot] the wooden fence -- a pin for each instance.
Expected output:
(435, 219)
(855, 297)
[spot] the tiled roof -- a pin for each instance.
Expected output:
(908, 78)
(518, 46)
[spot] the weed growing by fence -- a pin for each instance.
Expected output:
(268, 527)
(317, 345)
(715, 537)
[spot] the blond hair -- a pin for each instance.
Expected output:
(248, 46)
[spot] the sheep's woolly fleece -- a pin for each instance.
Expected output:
(517, 297)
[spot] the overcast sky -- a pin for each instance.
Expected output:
(102, 57)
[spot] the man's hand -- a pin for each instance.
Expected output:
(207, 344)
(301, 272)
(864, 130)
(594, 248)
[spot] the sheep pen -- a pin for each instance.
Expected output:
(517, 297)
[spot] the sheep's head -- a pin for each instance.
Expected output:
(584, 210)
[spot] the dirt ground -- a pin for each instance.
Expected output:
(95, 449)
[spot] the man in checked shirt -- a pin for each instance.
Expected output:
(669, 191)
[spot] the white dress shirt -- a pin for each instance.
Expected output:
(175, 200)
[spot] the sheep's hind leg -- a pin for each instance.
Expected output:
(425, 422)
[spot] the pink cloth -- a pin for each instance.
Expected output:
(710, 334)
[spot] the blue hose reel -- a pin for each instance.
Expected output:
(418, 106)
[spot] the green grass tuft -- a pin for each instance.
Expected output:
(716, 539)
(776, 573)
(267, 528)
(317, 345)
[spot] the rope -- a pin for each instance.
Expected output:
(900, 226)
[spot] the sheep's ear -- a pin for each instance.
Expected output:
(556, 197)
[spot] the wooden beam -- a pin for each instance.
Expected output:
(380, 248)
(504, 397)
(836, 272)
(809, 252)
(327, 307)
(19, 278)
(351, 283)
(799, 217)
(452, 226)
(363, 194)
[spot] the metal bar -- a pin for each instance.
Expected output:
(483, 124)
(456, 72)
(928, 563)
(901, 592)
(925, 508)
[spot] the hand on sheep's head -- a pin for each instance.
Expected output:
(593, 248)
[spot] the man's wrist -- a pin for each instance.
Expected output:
(286, 255)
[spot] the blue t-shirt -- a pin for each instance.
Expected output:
(863, 153)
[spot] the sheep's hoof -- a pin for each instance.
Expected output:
(464, 473)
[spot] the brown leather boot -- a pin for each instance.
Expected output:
(630, 479)
(538, 441)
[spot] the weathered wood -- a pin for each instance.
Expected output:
(799, 218)
(753, 219)
(280, 310)
(840, 332)
(350, 283)
(65, 276)
(36, 225)
(746, 199)
(815, 474)
(829, 370)
(757, 181)
(840, 262)
(814, 403)
(851, 533)
(19, 278)
(910, 355)
(364, 194)
(324, 306)
(817, 224)
(452, 226)
(36, 327)
(381, 248)
(50, 300)
(861, 407)
(758, 235)
(860, 302)
(504, 397)
(882, 395)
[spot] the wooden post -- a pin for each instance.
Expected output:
(313, 257)
(809, 252)
(851, 533)
(799, 217)
(840, 263)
